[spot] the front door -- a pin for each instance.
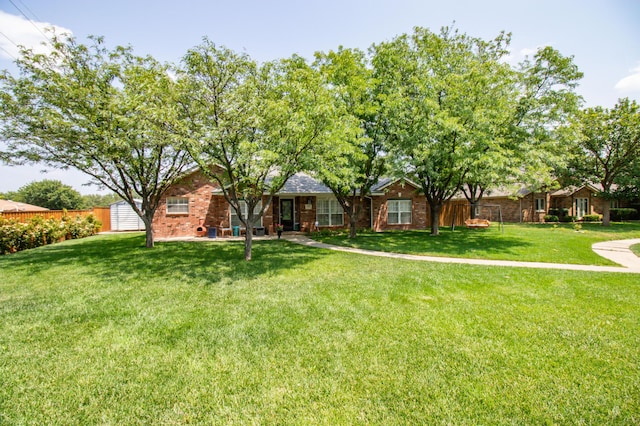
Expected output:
(286, 214)
(582, 207)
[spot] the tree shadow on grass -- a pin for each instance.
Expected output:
(462, 242)
(124, 257)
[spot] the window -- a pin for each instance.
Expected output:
(177, 205)
(235, 220)
(329, 212)
(540, 205)
(615, 204)
(399, 212)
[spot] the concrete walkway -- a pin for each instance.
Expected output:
(616, 251)
(619, 252)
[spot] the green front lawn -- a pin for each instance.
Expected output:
(563, 243)
(103, 331)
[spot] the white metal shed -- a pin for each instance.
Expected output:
(124, 218)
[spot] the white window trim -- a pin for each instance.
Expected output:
(176, 202)
(398, 213)
(542, 201)
(243, 209)
(334, 209)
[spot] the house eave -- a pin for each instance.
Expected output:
(380, 191)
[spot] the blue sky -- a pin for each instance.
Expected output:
(603, 36)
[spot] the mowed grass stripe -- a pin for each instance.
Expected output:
(550, 243)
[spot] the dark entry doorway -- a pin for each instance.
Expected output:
(286, 214)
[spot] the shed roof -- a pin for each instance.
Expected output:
(119, 202)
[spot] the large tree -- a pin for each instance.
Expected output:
(608, 148)
(51, 194)
(254, 126)
(105, 112)
(542, 125)
(534, 132)
(445, 97)
(351, 168)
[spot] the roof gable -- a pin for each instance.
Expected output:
(570, 190)
(384, 183)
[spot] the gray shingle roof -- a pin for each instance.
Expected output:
(570, 190)
(302, 183)
(381, 184)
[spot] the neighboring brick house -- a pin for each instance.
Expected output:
(14, 206)
(583, 200)
(527, 206)
(523, 206)
(196, 204)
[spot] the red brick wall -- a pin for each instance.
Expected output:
(528, 204)
(205, 207)
(515, 210)
(198, 189)
(511, 209)
(400, 190)
(304, 216)
(365, 216)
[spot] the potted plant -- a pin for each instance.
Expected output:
(279, 228)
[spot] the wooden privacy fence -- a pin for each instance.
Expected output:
(456, 211)
(103, 214)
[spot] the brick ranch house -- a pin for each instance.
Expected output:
(195, 204)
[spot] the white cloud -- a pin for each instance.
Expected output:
(529, 51)
(515, 58)
(630, 83)
(20, 32)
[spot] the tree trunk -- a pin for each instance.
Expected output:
(435, 218)
(474, 205)
(474, 196)
(353, 223)
(148, 230)
(606, 213)
(248, 240)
